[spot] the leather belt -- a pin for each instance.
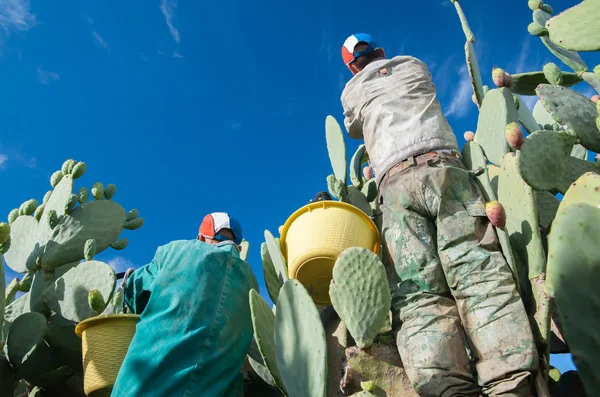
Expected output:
(415, 160)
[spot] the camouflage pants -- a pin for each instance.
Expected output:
(452, 289)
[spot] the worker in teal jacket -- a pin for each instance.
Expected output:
(195, 327)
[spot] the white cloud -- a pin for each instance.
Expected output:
(99, 40)
(461, 101)
(45, 76)
(168, 9)
(15, 16)
(177, 55)
(3, 160)
(120, 264)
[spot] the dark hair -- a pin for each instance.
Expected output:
(362, 61)
(321, 196)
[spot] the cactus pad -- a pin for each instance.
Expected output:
(356, 164)
(101, 220)
(336, 148)
(359, 200)
(122, 243)
(263, 323)
(20, 256)
(547, 205)
(25, 335)
(572, 280)
(272, 280)
(57, 202)
(575, 168)
(527, 120)
(570, 58)
(474, 72)
(336, 187)
(110, 191)
(134, 223)
(68, 295)
(360, 293)
(586, 189)
(497, 111)
(577, 28)
(572, 110)
(526, 83)
(543, 158)
(300, 341)
(519, 201)
(276, 256)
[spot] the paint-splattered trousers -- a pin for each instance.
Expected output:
(452, 289)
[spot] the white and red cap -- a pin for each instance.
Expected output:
(213, 223)
(348, 54)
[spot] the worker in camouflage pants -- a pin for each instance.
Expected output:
(451, 285)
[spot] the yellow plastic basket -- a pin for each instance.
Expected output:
(315, 235)
(105, 341)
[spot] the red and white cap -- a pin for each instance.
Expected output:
(348, 54)
(215, 222)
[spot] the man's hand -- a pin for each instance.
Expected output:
(126, 277)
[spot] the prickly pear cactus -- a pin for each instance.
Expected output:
(46, 243)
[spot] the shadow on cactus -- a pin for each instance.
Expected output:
(53, 244)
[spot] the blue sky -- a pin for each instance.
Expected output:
(191, 107)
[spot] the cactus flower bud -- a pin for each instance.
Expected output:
(89, 249)
(96, 301)
(368, 172)
(469, 136)
(55, 178)
(536, 29)
(78, 170)
(13, 215)
(4, 232)
(534, 4)
(553, 74)
(98, 190)
(496, 214)
(514, 135)
(501, 78)
(110, 190)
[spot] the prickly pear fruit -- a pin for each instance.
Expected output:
(368, 172)
(117, 299)
(70, 205)
(536, 29)
(501, 78)
(134, 213)
(120, 244)
(82, 195)
(13, 215)
(65, 167)
(553, 74)
(134, 223)
(96, 301)
(47, 196)
(534, 4)
(89, 250)
(28, 207)
(469, 136)
(110, 190)
(52, 219)
(78, 170)
(98, 190)
(496, 214)
(597, 159)
(547, 8)
(595, 98)
(514, 135)
(55, 178)
(39, 211)
(4, 232)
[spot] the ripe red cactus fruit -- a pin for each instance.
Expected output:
(496, 214)
(469, 136)
(514, 135)
(595, 98)
(501, 78)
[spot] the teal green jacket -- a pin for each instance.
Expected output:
(195, 327)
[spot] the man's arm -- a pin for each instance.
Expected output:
(139, 284)
(352, 123)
